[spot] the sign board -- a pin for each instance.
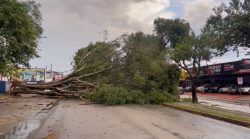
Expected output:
(32, 75)
(242, 66)
(240, 80)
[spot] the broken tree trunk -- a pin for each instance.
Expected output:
(77, 84)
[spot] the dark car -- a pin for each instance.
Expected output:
(207, 88)
(212, 88)
(215, 88)
(234, 89)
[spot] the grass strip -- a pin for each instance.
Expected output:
(213, 112)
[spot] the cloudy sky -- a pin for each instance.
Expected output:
(72, 24)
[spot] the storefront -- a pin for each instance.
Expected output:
(226, 73)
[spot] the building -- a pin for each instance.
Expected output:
(32, 75)
(38, 75)
(226, 73)
(53, 76)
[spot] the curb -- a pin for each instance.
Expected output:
(232, 121)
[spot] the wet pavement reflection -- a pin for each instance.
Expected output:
(25, 129)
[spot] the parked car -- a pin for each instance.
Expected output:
(200, 88)
(245, 89)
(211, 88)
(234, 89)
(215, 88)
(225, 89)
(188, 88)
(180, 90)
(207, 88)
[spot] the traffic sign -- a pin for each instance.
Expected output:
(240, 80)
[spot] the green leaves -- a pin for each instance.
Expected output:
(141, 65)
(20, 25)
(171, 31)
(183, 50)
(117, 95)
(229, 27)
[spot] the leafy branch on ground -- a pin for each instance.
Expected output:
(113, 95)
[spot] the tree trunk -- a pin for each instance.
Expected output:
(194, 94)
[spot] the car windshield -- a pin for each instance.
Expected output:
(234, 86)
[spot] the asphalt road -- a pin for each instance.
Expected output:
(72, 120)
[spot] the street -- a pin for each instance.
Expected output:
(16, 110)
(75, 120)
(125, 69)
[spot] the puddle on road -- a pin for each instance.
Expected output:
(25, 129)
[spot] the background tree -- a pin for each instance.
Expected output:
(171, 31)
(20, 26)
(229, 26)
(184, 48)
(188, 54)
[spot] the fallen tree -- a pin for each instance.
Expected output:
(76, 84)
(130, 69)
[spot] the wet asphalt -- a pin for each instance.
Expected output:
(74, 120)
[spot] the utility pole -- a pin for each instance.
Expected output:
(45, 74)
(52, 74)
(51, 67)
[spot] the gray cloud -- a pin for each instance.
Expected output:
(110, 14)
(71, 24)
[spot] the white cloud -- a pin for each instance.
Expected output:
(197, 11)
(143, 11)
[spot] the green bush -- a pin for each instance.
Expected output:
(113, 95)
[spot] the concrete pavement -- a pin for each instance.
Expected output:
(73, 120)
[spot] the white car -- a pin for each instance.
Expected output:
(188, 88)
(226, 88)
(244, 89)
(200, 89)
(180, 90)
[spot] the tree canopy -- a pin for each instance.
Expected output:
(171, 31)
(20, 28)
(229, 25)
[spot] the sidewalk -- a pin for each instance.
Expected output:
(224, 101)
